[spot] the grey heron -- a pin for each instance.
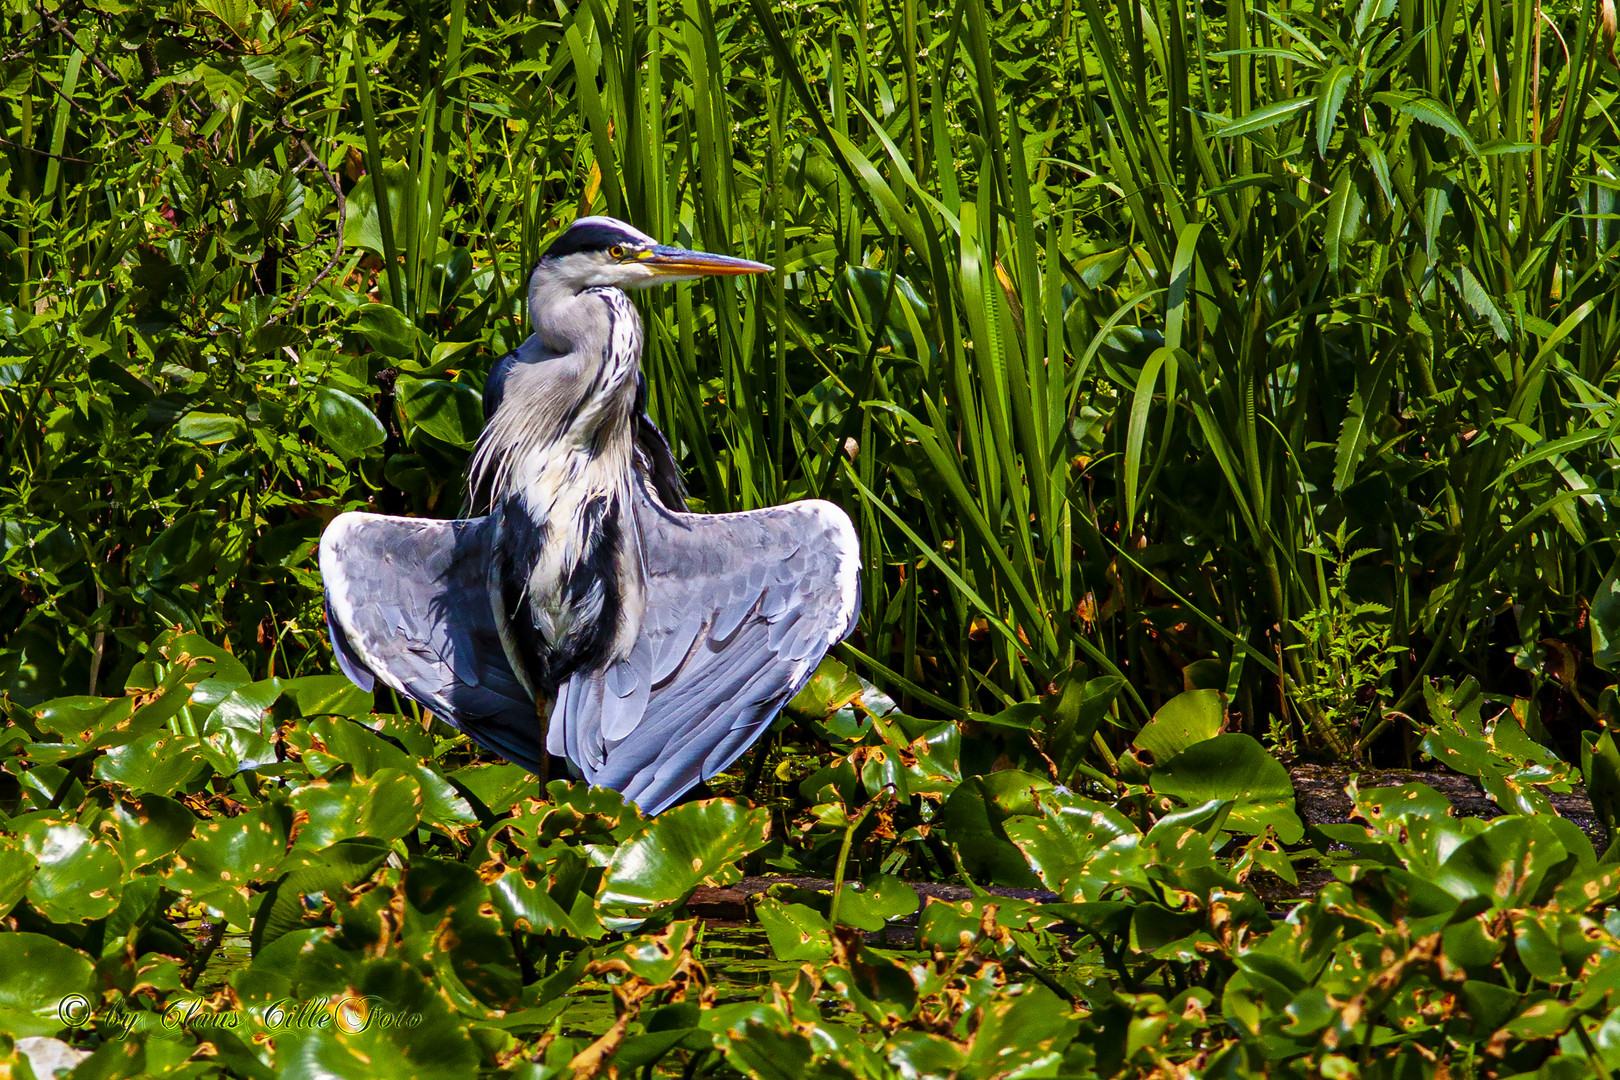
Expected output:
(663, 643)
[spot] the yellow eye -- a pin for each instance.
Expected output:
(616, 251)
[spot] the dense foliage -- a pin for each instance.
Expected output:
(410, 912)
(1197, 375)
(1264, 350)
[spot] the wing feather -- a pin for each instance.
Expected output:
(740, 610)
(408, 604)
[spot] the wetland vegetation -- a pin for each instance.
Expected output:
(1216, 387)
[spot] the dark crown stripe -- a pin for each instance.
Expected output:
(592, 236)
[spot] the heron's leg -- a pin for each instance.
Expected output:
(756, 768)
(542, 712)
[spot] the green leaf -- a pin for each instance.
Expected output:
(680, 849)
(1605, 619)
(1506, 863)
(796, 932)
(362, 227)
(41, 981)
(348, 427)
(877, 899)
(17, 867)
(449, 918)
(159, 762)
(328, 871)
(1074, 718)
(1237, 768)
(1425, 109)
(341, 806)
(151, 828)
(973, 817)
(1267, 116)
(388, 331)
(448, 411)
(209, 429)
(398, 1027)
(227, 855)
(829, 689)
(1329, 99)
(79, 878)
(1081, 849)
(1185, 719)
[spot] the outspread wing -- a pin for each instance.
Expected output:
(407, 602)
(740, 610)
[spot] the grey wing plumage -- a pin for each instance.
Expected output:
(740, 609)
(408, 603)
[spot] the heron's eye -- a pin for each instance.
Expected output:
(616, 251)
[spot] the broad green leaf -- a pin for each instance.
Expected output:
(79, 878)
(680, 849)
(1185, 719)
(158, 763)
(17, 867)
(151, 828)
(974, 817)
(340, 806)
(448, 411)
(348, 427)
(1081, 849)
(796, 932)
(41, 980)
(1237, 768)
(872, 902)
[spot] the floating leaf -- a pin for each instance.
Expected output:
(973, 817)
(151, 828)
(40, 980)
(679, 850)
(341, 806)
(796, 932)
(79, 878)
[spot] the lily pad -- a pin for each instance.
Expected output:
(682, 848)
(17, 866)
(44, 985)
(151, 828)
(1081, 849)
(796, 932)
(160, 762)
(874, 901)
(1234, 767)
(1185, 719)
(80, 877)
(973, 817)
(384, 806)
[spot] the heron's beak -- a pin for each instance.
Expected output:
(668, 261)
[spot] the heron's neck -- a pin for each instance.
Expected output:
(599, 326)
(566, 421)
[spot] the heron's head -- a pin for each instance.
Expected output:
(596, 252)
